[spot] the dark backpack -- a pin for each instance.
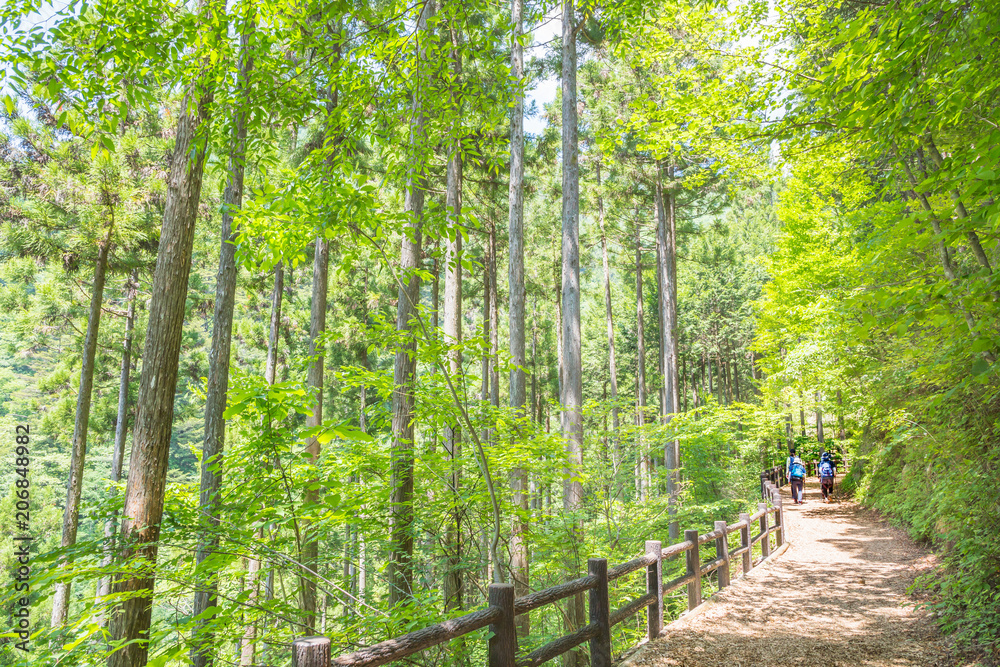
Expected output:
(797, 470)
(826, 469)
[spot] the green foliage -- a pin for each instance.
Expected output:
(879, 294)
(816, 199)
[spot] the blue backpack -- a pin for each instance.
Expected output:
(797, 470)
(826, 469)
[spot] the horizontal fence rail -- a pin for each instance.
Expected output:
(502, 607)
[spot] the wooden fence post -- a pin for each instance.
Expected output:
(745, 542)
(765, 541)
(600, 613)
(693, 568)
(763, 484)
(311, 652)
(503, 643)
(779, 522)
(654, 584)
(722, 551)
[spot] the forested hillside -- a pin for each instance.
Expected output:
(318, 318)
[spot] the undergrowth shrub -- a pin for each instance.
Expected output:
(943, 486)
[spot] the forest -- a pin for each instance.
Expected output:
(319, 317)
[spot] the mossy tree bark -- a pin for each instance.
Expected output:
(144, 494)
(206, 593)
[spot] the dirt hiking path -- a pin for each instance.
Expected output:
(836, 597)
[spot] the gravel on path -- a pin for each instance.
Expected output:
(837, 597)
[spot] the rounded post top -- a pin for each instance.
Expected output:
(311, 641)
(598, 566)
(311, 652)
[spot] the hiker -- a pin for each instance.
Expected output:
(796, 471)
(827, 474)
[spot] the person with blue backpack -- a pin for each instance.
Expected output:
(827, 474)
(796, 471)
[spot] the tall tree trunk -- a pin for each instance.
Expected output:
(789, 439)
(819, 421)
(516, 307)
(643, 471)
(405, 370)
(274, 330)
(661, 371)
(572, 386)
(841, 431)
(350, 549)
(453, 339)
(727, 367)
(494, 323)
(357, 572)
(735, 369)
(213, 446)
(362, 547)
(121, 429)
(708, 366)
(802, 413)
(314, 379)
(494, 545)
(247, 654)
(78, 459)
(435, 290)
(435, 324)
(560, 362)
(684, 380)
(489, 303)
(671, 206)
(668, 344)
(534, 489)
(695, 390)
(609, 321)
(488, 300)
(147, 473)
(536, 409)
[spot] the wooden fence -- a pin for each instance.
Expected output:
(503, 607)
(776, 476)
